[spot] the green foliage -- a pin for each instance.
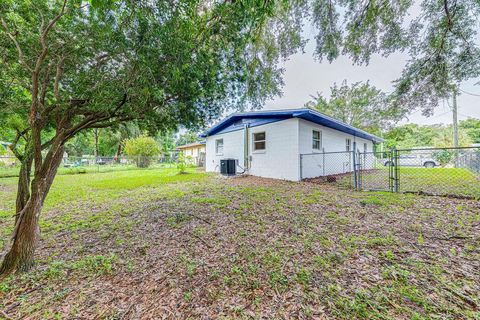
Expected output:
(163, 64)
(142, 148)
(187, 137)
(471, 127)
(360, 105)
(444, 156)
(438, 135)
(181, 163)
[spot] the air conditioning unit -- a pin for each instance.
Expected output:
(228, 167)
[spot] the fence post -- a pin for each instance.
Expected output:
(323, 161)
(396, 173)
(354, 160)
(391, 163)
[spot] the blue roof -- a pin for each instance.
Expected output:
(237, 121)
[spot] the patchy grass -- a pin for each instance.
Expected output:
(135, 244)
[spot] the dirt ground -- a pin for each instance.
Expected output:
(251, 248)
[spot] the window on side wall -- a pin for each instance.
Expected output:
(219, 146)
(317, 140)
(259, 141)
(348, 144)
(365, 147)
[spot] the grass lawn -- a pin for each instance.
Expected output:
(154, 244)
(13, 171)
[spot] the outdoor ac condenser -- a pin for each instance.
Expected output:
(228, 167)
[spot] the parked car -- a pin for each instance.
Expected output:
(415, 160)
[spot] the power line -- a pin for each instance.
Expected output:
(472, 94)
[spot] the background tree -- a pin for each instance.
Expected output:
(360, 105)
(471, 127)
(166, 140)
(187, 137)
(72, 65)
(142, 149)
(444, 138)
(414, 135)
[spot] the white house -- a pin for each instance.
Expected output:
(285, 144)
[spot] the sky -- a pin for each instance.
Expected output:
(304, 77)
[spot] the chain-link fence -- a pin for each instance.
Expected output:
(440, 171)
(10, 166)
(329, 167)
(433, 171)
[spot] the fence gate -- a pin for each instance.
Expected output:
(434, 171)
(376, 171)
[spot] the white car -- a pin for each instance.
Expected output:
(415, 160)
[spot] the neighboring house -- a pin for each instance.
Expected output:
(194, 153)
(270, 143)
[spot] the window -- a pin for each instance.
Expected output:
(259, 141)
(316, 140)
(348, 143)
(365, 147)
(219, 146)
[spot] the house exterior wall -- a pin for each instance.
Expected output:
(285, 141)
(233, 146)
(280, 159)
(335, 160)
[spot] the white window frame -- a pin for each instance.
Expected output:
(348, 144)
(365, 147)
(319, 140)
(217, 143)
(254, 141)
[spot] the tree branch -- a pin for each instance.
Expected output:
(17, 45)
(34, 114)
(58, 76)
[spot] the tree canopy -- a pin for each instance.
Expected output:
(438, 135)
(72, 65)
(440, 37)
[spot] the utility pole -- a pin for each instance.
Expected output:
(455, 120)
(455, 127)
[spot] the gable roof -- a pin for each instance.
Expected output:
(237, 121)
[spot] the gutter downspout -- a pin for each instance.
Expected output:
(245, 147)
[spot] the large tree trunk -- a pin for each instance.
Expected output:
(20, 256)
(23, 191)
(26, 233)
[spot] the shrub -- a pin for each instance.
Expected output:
(142, 148)
(181, 164)
(444, 157)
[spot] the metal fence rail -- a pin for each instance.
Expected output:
(433, 171)
(10, 166)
